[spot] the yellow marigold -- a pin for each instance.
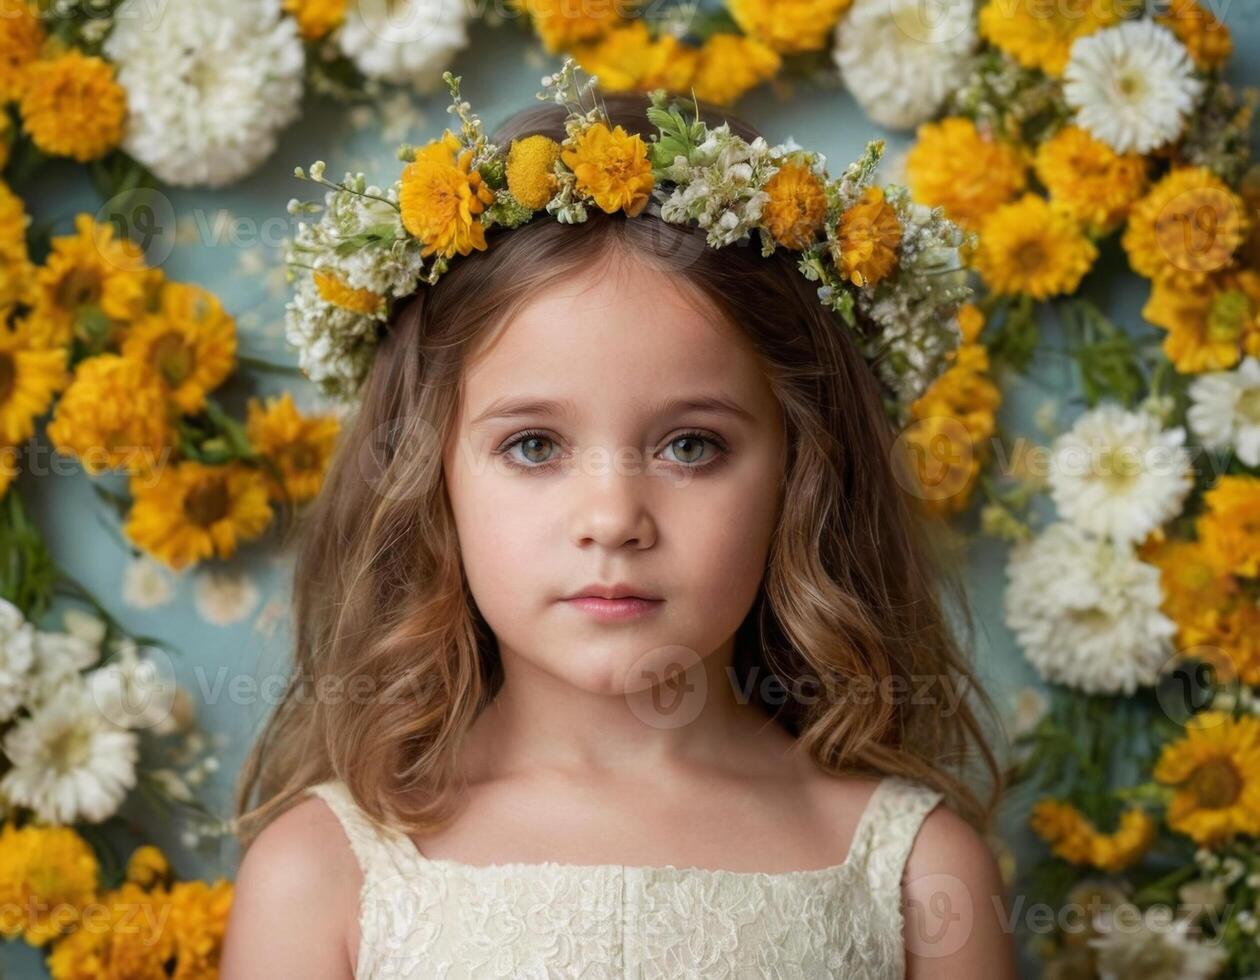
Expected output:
(112, 416)
(47, 876)
(869, 235)
(1230, 527)
(797, 206)
(128, 937)
(440, 199)
(30, 375)
(199, 914)
(189, 341)
(1188, 580)
(1040, 34)
(560, 24)
(1030, 247)
(531, 164)
(17, 274)
(953, 166)
(943, 463)
(299, 446)
(315, 18)
(611, 167)
(73, 106)
(1216, 772)
(148, 866)
(185, 512)
(628, 58)
(1075, 839)
(1209, 327)
(21, 38)
(728, 65)
(1188, 227)
(332, 289)
(1206, 38)
(789, 26)
(1090, 180)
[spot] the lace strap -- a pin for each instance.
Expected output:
(888, 826)
(374, 846)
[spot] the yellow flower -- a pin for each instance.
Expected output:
(299, 446)
(1249, 191)
(1075, 839)
(189, 341)
(1039, 34)
(132, 940)
(315, 18)
(1216, 772)
(333, 290)
(47, 876)
(1210, 326)
(6, 139)
(21, 38)
(789, 26)
(1207, 39)
(797, 207)
(1186, 228)
(628, 58)
(112, 416)
(440, 199)
(953, 166)
(1230, 528)
(1030, 247)
(199, 914)
(30, 375)
(1090, 180)
(73, 106)
(185, 512)
(944, 462)
(728, 65)
(531, 163)
(147, 866)
(16, 271)
(869, 235)
(611, 167)
(560, 24)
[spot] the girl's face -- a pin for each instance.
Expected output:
(615, 431)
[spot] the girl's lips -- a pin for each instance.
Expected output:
(614, 610)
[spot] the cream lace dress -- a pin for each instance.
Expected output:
(423, 917)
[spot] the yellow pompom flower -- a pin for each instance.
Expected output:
(199, 915)
(1074, 838)
(1230, 527)
(30, 375)
(188, 511)
(1211, 326)
(113, 415)
(1188, 227)
(132, 940)
(611, 167)
(315, 18)
(147, 866)
(1215, 770)
(797, 206)
(21, 38)
(47, 876)
(868, 236)
(560, 24)
(789, 26)
(441, 196)
(299, 446)
(189, 341)
(1088, 179)
(1038, 34)
(1030, 247)
(73, 106)
(332, 289)
(728, 65)
(530, 169)
(628, 58)
(1206, 38)
(954, 166)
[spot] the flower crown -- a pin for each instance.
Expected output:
(888, 267)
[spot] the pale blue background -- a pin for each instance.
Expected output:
(500, 75)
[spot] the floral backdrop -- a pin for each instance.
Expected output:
(1093, 449)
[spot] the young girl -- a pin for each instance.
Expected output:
(620, 651)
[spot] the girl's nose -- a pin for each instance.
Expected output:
(611, 509)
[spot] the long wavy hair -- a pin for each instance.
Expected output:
(857, 595)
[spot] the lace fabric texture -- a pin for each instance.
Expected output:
(426, 918)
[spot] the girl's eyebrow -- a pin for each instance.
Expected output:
(515, 407)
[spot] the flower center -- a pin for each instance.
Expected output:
(1118, 469)
(1249, 405)
(8, 376)
(172, 358)
(207, 503)
(78, 287)
(1030, 256)
(1228, 316)
(1215, 785)
(68, 750)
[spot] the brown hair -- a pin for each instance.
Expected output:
(854, 593)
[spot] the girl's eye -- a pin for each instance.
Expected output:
(690, 449)
(533, 447)
(536, 450)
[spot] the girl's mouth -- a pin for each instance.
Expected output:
(615, 610)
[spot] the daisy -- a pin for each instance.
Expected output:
(69, 763)
(1115, 473)
(1215, 774)
(1087, 611)
(1152, 943)
(59, 660)
(1132, 85)
(902, 58)
(134, 691)
(224, 598)
(146, 584)
(17, 654)
(404, 41)
(1225, 410)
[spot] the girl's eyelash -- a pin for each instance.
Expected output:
(506, 448)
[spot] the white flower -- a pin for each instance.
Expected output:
(404, 41)
(1132, 85)
(83, 625)
(1117, 474)
(902, 58)
(209, 85)
(17, 654)
(1226, 410)
(146, 584)
(69, 763)
(134, 691)
(224, 598)
(59, 660)
(1137, 945)
(1086, 611)
(1029, 707)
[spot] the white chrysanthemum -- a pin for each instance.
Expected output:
(135, 691)
(59, 660)
(17, 654)
(209, 85)
(1117, 474)
(1086, 611)
(410, 41)
(147, 584)
(1152, 943)
(902, 58)
(1226, 410)
(69, 763)
(1132, 85)
(84, 626)
(224, 598)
